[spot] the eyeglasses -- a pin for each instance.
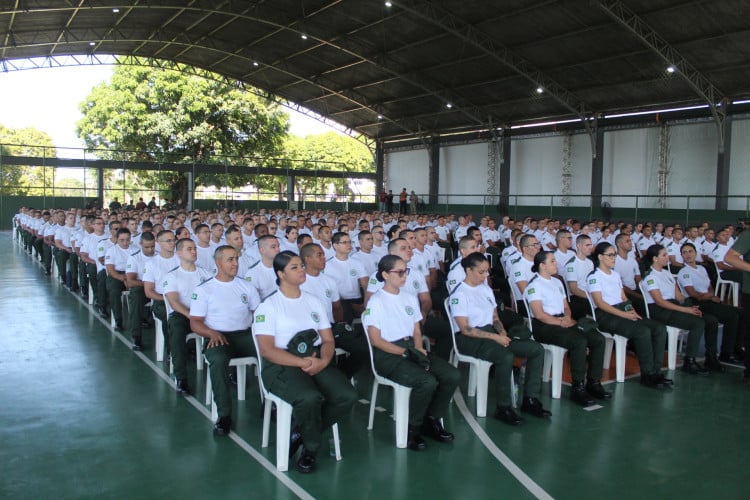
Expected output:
(400, 272)
(609, 254)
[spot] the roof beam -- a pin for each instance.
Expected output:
(430, 12)
(700, 84)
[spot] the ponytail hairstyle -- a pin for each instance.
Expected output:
(539, 259)
(386, 264)
(599, 250)
(648, 259)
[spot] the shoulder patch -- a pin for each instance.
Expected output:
(571, 260)
(533, 278)
(269, 295)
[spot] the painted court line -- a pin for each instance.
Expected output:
(506, 462)
(255, 454)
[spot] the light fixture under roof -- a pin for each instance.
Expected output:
(255, 63)
(303, 36)
(92, 43)
(671, 69)
(380, 117)
(448, 105)
(539, 90)
(115, 10)
(389, 4)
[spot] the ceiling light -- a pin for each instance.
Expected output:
(448, 105)
(380, 117)
(255, 63)
(670, 69)
(115, 10)
(539, 90)
(388, 4)
(92, 43)
(303, 36)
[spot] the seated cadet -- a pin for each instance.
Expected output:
(674, 262)
(553, 324)
(615, 314)
(564, 241)
(392, 322)
(646, 240)
(247, 256)
(423, 247)
(666, 304)
(350, 274)
(116, 261)
(435, 328)
(289, 242)
(520, 270)
(134, 270)
(221, 310)
(694, 279)
(364, 254)
(629, 271)
(347, 337)
(300, 372)
(179, 284)
(512, 251)
(720, 250)
(484, 332)
(576, 270)
(153, 277)
(260, 275)
(204, 249)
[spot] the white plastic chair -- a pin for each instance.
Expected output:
(241, 364)
(554, 356)
(158, 337)
(401, 395)
(674, 334)
(91, 295)
(726, 286)
(283, 421)
(620, 343)
(192, 336)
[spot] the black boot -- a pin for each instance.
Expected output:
(712, 363)
(137, 343)
(595, 389)
(692, 367)
(415, 441)
(579, 395)
(434, 428)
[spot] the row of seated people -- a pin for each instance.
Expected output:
(216, 302)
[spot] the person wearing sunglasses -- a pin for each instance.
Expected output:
(392, 322)
(615, 314)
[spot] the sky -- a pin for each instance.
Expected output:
(47, 99)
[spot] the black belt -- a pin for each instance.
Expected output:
(561, 315)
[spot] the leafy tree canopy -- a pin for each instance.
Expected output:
(24, 180)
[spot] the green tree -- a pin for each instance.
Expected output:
(22, 180)
(328, 151)
(149, 114)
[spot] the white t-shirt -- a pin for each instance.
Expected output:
(674, 249)
(102, 246)
(549, 291)
(118, 257)
(347, 274)
(609, 285)
(184, 282)
(206, 258)
(157, 268)
(369, 260)
(562, 258)
(697, 277)
(283, 317)
(475, 303)
(226, 306)
(520, 270)
(262, 278)
(137, 264)
(660, 280)
(393, 314)
(324, 288)
(627, 269)
(578, 270)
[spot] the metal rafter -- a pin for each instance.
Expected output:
(432, 13)
(63, 36)
(700, 84)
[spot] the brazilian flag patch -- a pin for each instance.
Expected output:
(260, 318)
